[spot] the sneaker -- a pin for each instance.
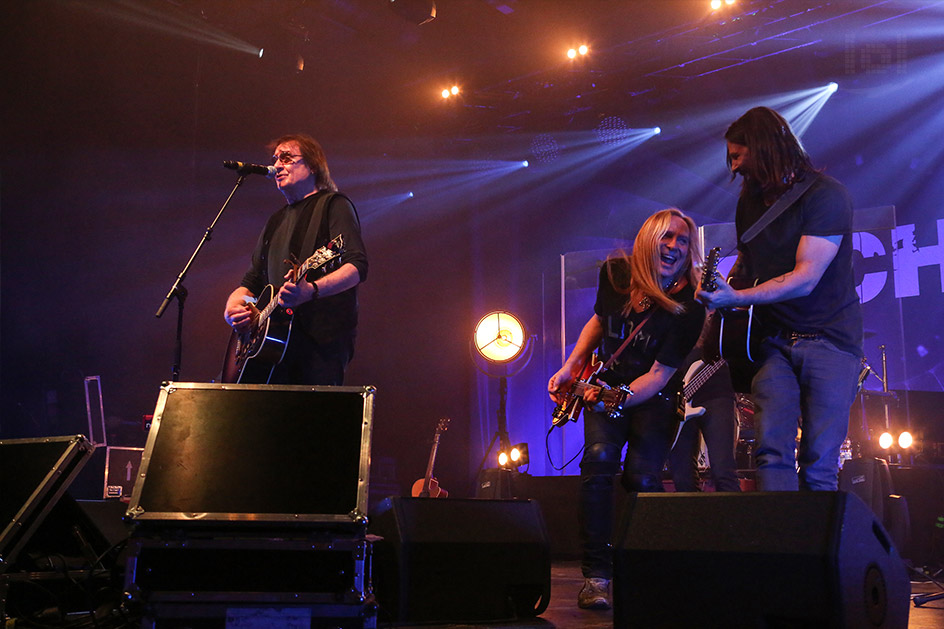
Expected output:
(595, 594)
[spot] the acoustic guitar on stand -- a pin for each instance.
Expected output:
(428, 487)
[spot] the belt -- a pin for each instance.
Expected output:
(794, 336)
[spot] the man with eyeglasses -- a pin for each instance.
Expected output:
(321, 341)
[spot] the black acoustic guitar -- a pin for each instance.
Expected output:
(252, 356)
(734, 334)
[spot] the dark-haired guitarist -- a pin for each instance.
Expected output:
(805, 301)
(325, 307)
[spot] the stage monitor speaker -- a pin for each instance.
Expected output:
(255, 454)
(453, 560)
(760, 559)
(34, 474)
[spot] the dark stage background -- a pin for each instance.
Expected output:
(117, 114)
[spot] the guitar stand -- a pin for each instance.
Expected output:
(178, 292)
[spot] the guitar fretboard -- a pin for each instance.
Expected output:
(701, 377)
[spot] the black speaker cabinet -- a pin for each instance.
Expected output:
(871, 480)
(260, 454)
(453, 560)
(764, 559)
(34, 474)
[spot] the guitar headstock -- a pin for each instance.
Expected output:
(323, 257)
(443, 425)
(709, 273)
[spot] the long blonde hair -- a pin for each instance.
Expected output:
(645, 279)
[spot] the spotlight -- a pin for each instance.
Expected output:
(517, 456)
(715, 5)
(832, 87)
(572, 53)
(905, 440)
(583, 49)
(525, 163)
(409, 194)
(454, 90)
(502, 348)
(729, 2)
(886, 441)
(261, 50)
(656, 130)
(445, 94)
(500, 337)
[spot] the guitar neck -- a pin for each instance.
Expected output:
(701, 378)
(266, 312)
(431, 463)
(606, 395)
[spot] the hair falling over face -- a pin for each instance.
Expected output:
(645, 282)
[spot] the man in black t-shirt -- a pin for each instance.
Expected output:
(646, 299)
(806, 304)
(321, 342)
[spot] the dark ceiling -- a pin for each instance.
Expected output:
(369, 71)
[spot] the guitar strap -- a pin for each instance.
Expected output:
(315, 230)
(786, 200)
(629, 338)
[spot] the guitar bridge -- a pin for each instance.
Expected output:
(617, 410)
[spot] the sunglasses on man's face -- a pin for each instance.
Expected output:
(285, 157)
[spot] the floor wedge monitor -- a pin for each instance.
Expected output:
(758, 559)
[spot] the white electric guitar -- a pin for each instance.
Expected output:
(697, 375)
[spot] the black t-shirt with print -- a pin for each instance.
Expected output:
(665, 337)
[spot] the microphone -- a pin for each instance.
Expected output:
(250, 169)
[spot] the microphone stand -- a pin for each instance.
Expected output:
(178, 290)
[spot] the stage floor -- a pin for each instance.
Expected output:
(563, 613)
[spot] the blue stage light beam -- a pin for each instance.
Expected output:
(374, 207)
(801, 113)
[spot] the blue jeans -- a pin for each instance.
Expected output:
(807, 383)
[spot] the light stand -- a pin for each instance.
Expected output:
(502, 349)
(504, 443)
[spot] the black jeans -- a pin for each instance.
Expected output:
(646, 431)
(718, 425)
(308, 362)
